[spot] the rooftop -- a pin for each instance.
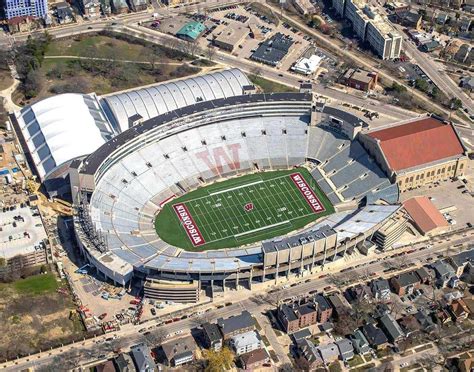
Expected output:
(192, 30)
(234, 323)
(178, 347)
(424, 213)
(401, 144)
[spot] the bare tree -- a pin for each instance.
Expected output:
(210, 52)
(155, 338)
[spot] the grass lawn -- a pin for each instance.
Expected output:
(240, 211)
(101, 46)
(36, 285)
(269, 86)
(154, 64)
(355, 361)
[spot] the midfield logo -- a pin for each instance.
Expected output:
(248, 207)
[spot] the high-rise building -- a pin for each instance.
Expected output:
(21, 8)
(370, 27)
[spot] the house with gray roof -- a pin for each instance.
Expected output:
(405, 283)
(467, 83)
(329, 353)
(179, 351)
(359, 342)
(376, 337)
(212, 336)
(236, 325)
(124, 363)
(346, 350)
(142, 358)
(460, 261)
(444, 272)
(391, 328)
(307, 355)
(380, 288)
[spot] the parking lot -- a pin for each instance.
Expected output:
(447, 194)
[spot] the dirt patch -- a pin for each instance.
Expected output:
(31, 323)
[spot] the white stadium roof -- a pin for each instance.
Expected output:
(159, 99)
(61, 128)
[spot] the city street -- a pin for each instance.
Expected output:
(245, 299)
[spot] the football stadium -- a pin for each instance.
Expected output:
(203, 183)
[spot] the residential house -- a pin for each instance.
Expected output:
(20, 24)
(323, 307)
(462, 53)
(451, 296)
(360, 293)
(409, 325)
(180, 351)
(459, 310)
(138, 5)
(405, 284)
(236, 325)
(442, 316)
(430, 46)
(375, 336)
(246, 342)
(339, 305)
(423, 275)
(124, 363)
(444, 272)
(307, 355)
(391, 328)
(346, 350)
(212, 336)
(106, 7)
(142, 358)
(254, 359)
(360, 342)
(460, 261)
(410, 19)
(293, 317)
(426, 322)
(381, 289)
(301, 334)
(64, 13)
(442, 18)
(119, 6)
(467, 83)
(91, 9)
(329, 353)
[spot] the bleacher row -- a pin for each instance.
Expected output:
(350, 169)
(130, 193)
(128, 196)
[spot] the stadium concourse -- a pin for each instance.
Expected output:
(159, 143)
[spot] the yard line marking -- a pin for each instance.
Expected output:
(261, 228)
(236, 188)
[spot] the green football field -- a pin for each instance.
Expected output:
(242, 210)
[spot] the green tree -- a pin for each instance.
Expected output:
(455, 103)
(422, 85)
(3, 262)
(218, 361)
(435, 92)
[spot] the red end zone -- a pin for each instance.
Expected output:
(189, 225)
(307, 193)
